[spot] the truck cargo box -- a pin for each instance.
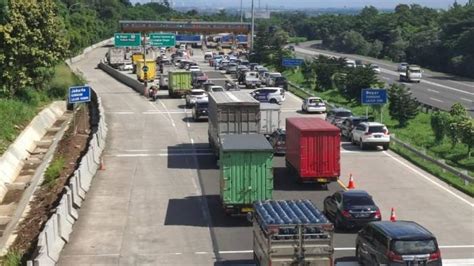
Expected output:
(291, 232)
(246, 173)
(148, 75)
(313, 149)
(269, 118)
(179, 83)
(230, 113)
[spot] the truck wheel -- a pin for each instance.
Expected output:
(358, 256)
(386, 146)
(353, 142)
(255, 259)
(273, 101)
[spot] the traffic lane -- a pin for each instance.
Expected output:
(464, 84)
(395, 183)
(129, 202)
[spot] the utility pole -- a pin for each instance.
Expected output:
(253, 27)
(241, 12)
(145, 75)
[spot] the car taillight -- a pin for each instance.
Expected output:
(386, 132)
(394, 257)
(279, 142)
(346, 214)
(436, 255)
(378, 214)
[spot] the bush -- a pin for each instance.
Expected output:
(53, 172)
(12, 258)
(63, 79)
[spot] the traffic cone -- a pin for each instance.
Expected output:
(351, 184)
(393, 217)
(101, 165)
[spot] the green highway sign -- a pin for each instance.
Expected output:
(162, 39)
(127, 39)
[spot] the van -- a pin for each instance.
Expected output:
(397, 243)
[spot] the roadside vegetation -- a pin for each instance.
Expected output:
(438, 39)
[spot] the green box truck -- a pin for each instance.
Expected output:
(179, 83)
(246, 173)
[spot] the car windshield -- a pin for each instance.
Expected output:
(356, 122)
(197, 93)
(282, 137)
(202, 105)
(314, 101)
(217, 89)
(414, 247)
(376, 129)
(359, 200)
(343, 114)
(280, 79)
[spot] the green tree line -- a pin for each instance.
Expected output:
(438, 39)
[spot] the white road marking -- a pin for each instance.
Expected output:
(167, 112)
(192, 141)
(446, 87)
(159, 154)
(120, 112)
(293, 96)
(430, 180)
(434, 99)
(435, 91)
(467, 100)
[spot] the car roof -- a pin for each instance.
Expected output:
(403, 230)
(339, 109)
(313, 98)
(372, 124)
(356, 118)
(198, 90)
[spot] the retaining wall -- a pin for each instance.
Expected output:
(12, 160)
(57, 229)
(131, 82)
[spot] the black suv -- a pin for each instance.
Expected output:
(281, 82)
(278, 141)
(337, 115)
(350, 123)
(352, 208)
(397, 243)
(200, 109)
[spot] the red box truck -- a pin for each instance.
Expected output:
(313, 149)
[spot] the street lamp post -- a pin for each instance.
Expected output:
(253, 27)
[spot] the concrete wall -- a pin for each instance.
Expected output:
(88, 49)
(59, 226)
(131, 82)
(12, 160)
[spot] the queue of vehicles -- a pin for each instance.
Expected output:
(244, 132)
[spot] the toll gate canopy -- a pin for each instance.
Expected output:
(184, 26)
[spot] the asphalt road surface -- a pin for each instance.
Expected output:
(436, 89)
(157, 201)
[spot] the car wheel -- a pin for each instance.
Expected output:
(273, 101)
(360, 260)
(353, 142)
(361, 145)
(385, 147)
(337, 223)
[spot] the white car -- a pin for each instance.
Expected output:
(375, 68)
(194, 68)
(216, 88)
(127, 67)
(263, 77)
(371, 134)
(251, 79)
(271, 78)
(269, 94)
(194, 95)
(313, 104)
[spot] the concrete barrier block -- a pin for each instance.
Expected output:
(74, 215)
(64, 220)
(74, 186)
(81, 188)
(53, 237)
(84, 176)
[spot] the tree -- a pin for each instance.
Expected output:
(33, 42)
(458, 110)
(440, 125)
(358, 78)
(458, 115)
(325, 67)
(308, 72)
(466, 133)
(402, 106)
(353, 42)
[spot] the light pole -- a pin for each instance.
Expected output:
(241, 12)
(253, 27)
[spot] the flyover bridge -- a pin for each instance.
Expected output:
(185, 26)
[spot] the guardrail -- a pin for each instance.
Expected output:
(463, 174)
(57, 229)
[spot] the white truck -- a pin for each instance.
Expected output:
(411, 73)
(116, 57)
(270, 118)
(252, 79)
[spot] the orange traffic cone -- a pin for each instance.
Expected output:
(351, 184)
(393, 217)
(101, 165)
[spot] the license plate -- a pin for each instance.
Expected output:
(361, 215)
(377, 136)
(322, 180)
(245, 210)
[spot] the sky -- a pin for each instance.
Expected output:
(311, 3)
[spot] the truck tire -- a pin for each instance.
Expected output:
(274, 101)
(386, 146)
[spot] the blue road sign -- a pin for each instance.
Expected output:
(291, 62)
(79, 94)
(374, 96)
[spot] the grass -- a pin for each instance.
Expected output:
(417, 133)
(17, 112)
(12, 258)
(53, 172)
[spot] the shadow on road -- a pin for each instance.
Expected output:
(191, 156)
(191, 120)
(235, 263)
(188, 212)
(283, 179)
